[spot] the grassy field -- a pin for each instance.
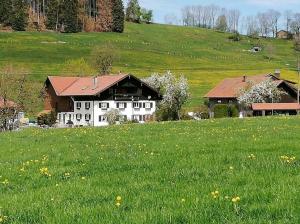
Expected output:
(204, 56)
(164, 173)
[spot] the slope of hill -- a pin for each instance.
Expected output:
(204, 56)
(75, 175)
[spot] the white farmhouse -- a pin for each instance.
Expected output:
(84, 101)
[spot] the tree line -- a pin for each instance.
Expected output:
(71, 15)
(265, 24)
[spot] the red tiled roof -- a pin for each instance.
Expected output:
(83, 86)
(8, 103)
(275, 106)
(230, 87)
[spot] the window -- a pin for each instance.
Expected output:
(104, 106)
(78, 117)
(136, 105)
(148, 105)
(102, 118)
(121, 105)
(122, 118)
(87, 105)
(87, 117)
(78, 105)
(219, 101)
(59, 117)
(136, 117)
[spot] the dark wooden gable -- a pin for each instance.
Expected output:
(128, 89)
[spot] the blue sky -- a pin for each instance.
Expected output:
(163, 7)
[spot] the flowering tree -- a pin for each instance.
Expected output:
(264, 92)
(112, 116)
(175, 92)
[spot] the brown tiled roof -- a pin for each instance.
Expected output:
(9, 103)
(83, 86)
(275, 106)
(230, 87)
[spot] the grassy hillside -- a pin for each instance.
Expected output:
(164, 173)
(204, 56)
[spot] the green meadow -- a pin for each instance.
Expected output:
(204, 56)
(153, 173)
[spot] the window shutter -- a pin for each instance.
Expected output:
(151, 105)
(125, 105)
(107, 105)
(117, 105)
(140, 105)
(144, 105)
(141, 118)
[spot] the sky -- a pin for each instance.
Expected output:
(247, 7)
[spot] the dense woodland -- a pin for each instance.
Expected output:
(63, 15)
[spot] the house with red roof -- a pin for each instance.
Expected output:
(84, 101)
(227, 92)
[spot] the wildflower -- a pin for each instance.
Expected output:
(67, 175)
(182, 200)
(118, 204)
(22, 169)
(5, 182)
(83, 178)
(215, 194)
(231, 168)
(3, 218)
(236, 199)
(45, 172)
(287, 159)
(119, 198)
(251, 156)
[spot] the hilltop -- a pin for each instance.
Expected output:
(204, 56)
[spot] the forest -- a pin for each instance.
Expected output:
(68, 16)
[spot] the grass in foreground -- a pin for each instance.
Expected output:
(156, 173)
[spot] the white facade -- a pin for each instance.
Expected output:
(92, 113)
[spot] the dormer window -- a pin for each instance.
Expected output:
(78, 106)
(87, 105)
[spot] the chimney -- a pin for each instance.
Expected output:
(244, 78)
(95, 81)
(277, 73)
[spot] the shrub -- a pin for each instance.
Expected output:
(233, 111)
(297, 44)
(47, 118)
(235, 37)
(202, 112)
(221, 110)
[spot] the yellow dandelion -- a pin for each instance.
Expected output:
(119, 198)
(118, 204)
(182, 200)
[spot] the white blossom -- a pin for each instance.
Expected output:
(264, 92)
(175, 91)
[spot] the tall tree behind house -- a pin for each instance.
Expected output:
(5, 12)
(19, 16)
(118, 16)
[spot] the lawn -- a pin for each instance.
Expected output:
(163, 172)
(204, 56)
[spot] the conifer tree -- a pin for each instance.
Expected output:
(133, 11)
(71, 16)
(19, 15)
(5, 12)
(53, 14)
(118, 16)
